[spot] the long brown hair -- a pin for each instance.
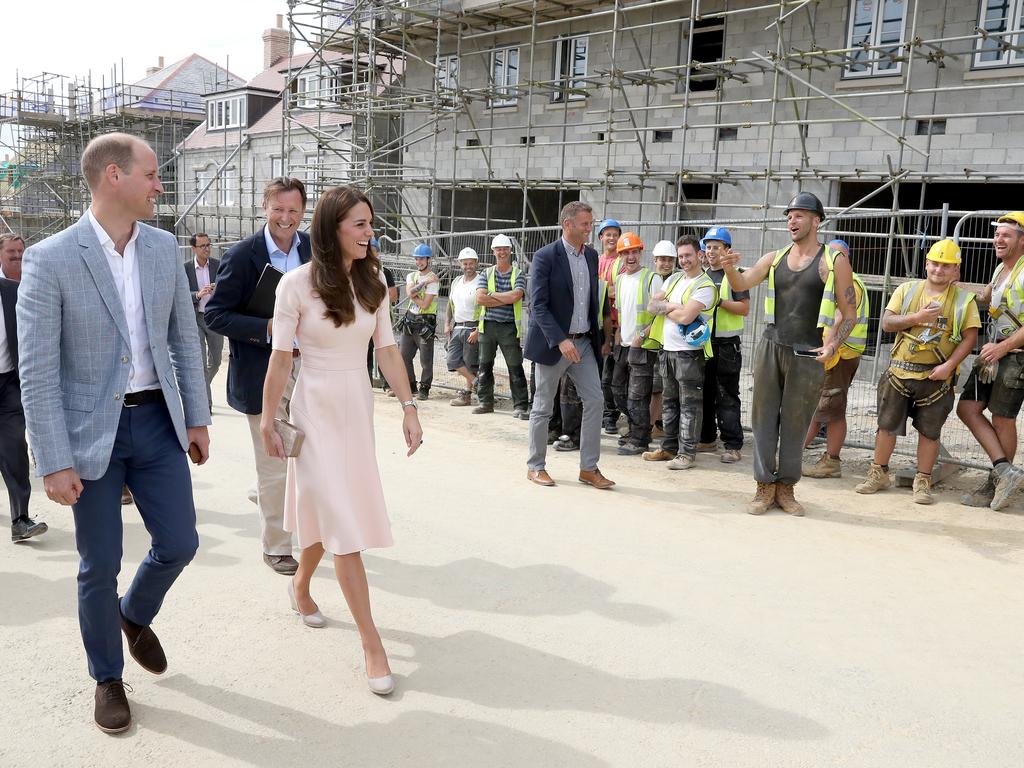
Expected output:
(331, 282)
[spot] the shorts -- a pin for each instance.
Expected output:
(838, 378)
(460, 351)
(1003, 397)
(894, 407)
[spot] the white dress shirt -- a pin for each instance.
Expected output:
(6, 363)
(202, 280)
(129, 288)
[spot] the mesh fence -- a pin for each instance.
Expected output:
(887, 249)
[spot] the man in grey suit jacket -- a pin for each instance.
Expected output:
(114, 395)
(201, 272)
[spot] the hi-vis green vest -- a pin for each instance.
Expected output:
(858, 338)
(602, 295)
(432, 307)
(827, 308)
(1013, 292)
(517, 308)
(963, 299)
(656, 340)
(643, 296)
(727, 324)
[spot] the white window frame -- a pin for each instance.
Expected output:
(225, 113)
(504, 85)
(203, 176)
(447, 72)
(312, 180)
(276, 166)
(570, 76)
(229, 187)
(1015, 24)
(879, 67)
(307, 87)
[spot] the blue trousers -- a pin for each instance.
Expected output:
(146, 457)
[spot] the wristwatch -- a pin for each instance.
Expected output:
(407, 403)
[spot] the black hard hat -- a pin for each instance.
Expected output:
(806, 201)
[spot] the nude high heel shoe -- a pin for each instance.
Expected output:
(382, 686)
(315, 620)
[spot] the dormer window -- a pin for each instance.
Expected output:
(225, 113)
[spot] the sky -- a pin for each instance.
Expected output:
(71, 37)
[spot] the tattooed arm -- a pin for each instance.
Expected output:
(846, 303)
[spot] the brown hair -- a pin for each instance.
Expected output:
(8, 237)
(689, 240)
(110, 148)
(284, 184)
(330, 281)
(569, 210)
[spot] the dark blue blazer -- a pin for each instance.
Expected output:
(249, 351)
(551, 303)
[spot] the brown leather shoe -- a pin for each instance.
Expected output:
(144, 646)
(540, 477)
(112, 713)
(126, 497)
(286, 565)
(596, 479)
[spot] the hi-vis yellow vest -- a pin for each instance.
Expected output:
(643, 296)
(961, 300)
(1013, 293)
(827, 309)
(432, 307)
(602, 294)
(517, 308)
(727, 324)
(656, 340)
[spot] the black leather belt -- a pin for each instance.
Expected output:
(145, 397)
(467, 324)
(583, 335)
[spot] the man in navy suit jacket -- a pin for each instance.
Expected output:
(564, 335)
(279, 243)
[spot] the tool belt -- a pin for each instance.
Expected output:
(424, 326)
(902, 365)
(900, 387)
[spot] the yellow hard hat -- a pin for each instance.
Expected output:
(944, 252)
(1013, 218)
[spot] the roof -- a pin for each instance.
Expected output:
(193, 74)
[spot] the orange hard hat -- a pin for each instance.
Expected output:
(627, 242)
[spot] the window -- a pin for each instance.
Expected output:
(999, 17)
(930, 128)
(202, 179)
(307, 86)
(448, 72)
(225, 113)
(570, 68)
(504, 76)
(312, 180)
(878, 25)
(661, 136)
(276, 167)
(728, 134)
(708, 46)
(229, 187)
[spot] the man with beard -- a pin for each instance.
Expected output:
(807, 281)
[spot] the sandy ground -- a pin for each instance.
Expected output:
(655, 625)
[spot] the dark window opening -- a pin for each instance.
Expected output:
(728, 134)
(708, 46)
(472, 142)
(523, 140)
(662, 136)
(930, 128)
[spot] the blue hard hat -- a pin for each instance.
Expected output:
(717, 233)
(422, 251)
(839, 242)
(696, 332)
(374, 243)
(609, 223)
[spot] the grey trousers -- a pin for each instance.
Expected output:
(211, 346)
(587, 378)
(786, 392)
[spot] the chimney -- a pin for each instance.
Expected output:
(275, 43)
(157, 68)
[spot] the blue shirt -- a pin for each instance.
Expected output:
(283, 261)
(580, 322)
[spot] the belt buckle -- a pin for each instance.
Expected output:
(129, 405)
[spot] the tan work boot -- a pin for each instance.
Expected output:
(731, 456)
(682, 462)
(463, 398)
(826, 466)
(764, 499)
(659, 455)
(707, 447)
(877, 480)
(784, 498)
(923, 489)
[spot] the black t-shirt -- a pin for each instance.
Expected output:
(388, 277)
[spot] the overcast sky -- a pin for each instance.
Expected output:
(73, 37)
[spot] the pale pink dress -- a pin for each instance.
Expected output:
(333, 494)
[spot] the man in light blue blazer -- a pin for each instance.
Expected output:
(114, 394)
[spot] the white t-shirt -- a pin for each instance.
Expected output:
(463, 296)
(673, 339)
(431, 290)
(625, 302)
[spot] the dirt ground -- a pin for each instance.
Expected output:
(654, 625)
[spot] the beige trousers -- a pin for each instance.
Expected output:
(270, 478)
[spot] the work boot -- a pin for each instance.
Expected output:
(981, 496)
(731, 455)
(923, 489)
(657, 431)
(784, 498)
(826, 466)
(659, 455)
(877, 480)
(423, 394)
(764, 499)
(1008, 480)
(463, 398)
(707, 447)
(610, 427)
(682, 462)
(632, 449)
(486, 408)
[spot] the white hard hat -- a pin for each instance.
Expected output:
(468, 253)
(664, 248)
(501, 241)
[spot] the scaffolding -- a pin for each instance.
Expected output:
(45, 123)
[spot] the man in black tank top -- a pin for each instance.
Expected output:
(789, 364)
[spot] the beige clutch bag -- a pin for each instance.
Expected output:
(291, 437)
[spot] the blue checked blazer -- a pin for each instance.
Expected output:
(74, 349)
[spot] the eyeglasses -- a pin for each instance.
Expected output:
(204, 245)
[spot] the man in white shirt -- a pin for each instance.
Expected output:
(681, 307)
(12, 247)
(633, 377)
(460, 326)
(201, 271)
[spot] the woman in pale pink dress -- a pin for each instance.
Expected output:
(334, 501)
